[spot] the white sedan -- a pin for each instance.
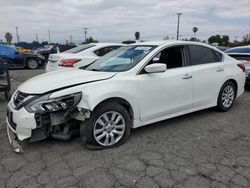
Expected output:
(133, 86)
(79, 56)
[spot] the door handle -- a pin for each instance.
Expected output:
(187, 76)
(220, 69)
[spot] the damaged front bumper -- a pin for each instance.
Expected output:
(14, 142)
(23, 125)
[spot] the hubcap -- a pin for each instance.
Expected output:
(109, 128)
(228, 96)
(32, 64)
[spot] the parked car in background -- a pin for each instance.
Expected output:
(23, 50)
(17, 59)
(242, 54)
(80, 56)
(130, 87)
(46, 51)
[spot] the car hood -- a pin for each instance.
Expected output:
(62, 79)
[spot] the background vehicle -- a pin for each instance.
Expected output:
(130, 87)
(17, 59)
(80, 56)
(46, 51)
(23, 50)
(242, 54)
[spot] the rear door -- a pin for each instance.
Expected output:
(208, 74)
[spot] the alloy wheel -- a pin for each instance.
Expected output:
(228, 96)
(109, 128)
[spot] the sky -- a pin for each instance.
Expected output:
(118, 20)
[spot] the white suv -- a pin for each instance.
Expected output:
(79, 56)
(133, 86)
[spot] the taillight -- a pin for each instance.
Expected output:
(242, 66)
(68, 62)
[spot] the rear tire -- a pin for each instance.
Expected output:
(32, 63)
(108, 126)
(226, 96)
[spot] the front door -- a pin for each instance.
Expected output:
(169, 92)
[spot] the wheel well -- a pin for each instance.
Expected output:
(120, 101)
(235, 84)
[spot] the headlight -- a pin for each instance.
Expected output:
(46, 104)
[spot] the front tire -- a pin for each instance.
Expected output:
(226, 97)
(32, 63)
(108, 126)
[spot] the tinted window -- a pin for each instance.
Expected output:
(202, 55)
(105, 50)
(238, 50)
(172, 57)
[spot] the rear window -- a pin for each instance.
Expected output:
(238, 50)
(79, 48)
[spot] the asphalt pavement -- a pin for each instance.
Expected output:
(202, 149)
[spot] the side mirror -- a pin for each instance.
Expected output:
(156, 67)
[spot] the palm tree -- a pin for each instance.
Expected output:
(195, 29)
(8, 37)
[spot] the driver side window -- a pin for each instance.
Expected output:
(172, 57)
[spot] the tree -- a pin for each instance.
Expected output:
(90, 40)
(128, 42)
(220, 40)
(195, 29)
(8, 37)
(194, 39)
(137, 35)
(45, 43)
(35, 42)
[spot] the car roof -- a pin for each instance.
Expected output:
(105, 44)
(172, 42)
(239, 47)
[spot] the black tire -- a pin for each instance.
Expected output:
(32, 63)
(220, 105)
(87, 127)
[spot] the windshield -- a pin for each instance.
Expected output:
(79, 48)
(122, 59)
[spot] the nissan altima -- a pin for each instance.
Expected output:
(130, 87)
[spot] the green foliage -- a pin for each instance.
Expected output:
(128, 42)
(221, 40)
(90, 40)
(45, 43)
(8, 37)
(35, 42)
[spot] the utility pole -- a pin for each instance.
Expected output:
(36, 37)
(17, 35)
(85, 32)
(178, 25)
(49, 35)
